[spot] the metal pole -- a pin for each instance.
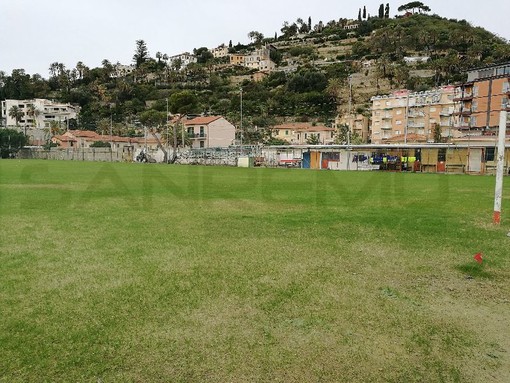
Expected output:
(111, 137)
(500, 167)
(241, 124)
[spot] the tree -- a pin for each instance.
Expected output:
(381, 11)
(33, 112)
(313, 139)
(413, 5)
(359, 15)
(203, 55)
(11, 141)
(141, 53)
(16, 113)
(364, 12)
(152, 118)
(309, 23)
(184, 102)
(387, 11)
(256, 37)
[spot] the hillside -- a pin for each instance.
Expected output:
(310, 83)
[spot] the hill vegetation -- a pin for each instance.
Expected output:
(314, 62)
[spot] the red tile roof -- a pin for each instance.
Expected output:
(202, 120)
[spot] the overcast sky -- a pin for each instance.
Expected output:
(35, 33)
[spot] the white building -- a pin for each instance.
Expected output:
(219, 52)
(37, 116)
(185, 59)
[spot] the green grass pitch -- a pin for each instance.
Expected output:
(163, 273)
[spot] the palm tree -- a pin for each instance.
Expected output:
(16, 113)
(33, 112)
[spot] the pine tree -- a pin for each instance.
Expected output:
(364, 12)
(387, 11)
(381, 11)
(359, 15)
(309, 23)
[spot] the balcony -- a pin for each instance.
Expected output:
(463, 97)
(197, 136)
(463, 113)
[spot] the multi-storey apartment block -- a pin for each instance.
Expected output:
(37, 116)
(481, 99)
(427, 114)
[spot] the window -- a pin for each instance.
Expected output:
(202, 144)
(441, 155)
(432, 109)
(202, 132)
(475, 91)
(286, 132)
(490, 154)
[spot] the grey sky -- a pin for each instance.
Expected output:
(35, 33)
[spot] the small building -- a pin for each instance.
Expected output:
(210, 132)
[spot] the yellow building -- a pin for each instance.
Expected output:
(300, 133)
(357, 123)
(419, 113)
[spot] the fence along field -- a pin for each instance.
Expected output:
(147, 272)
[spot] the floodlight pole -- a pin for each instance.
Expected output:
(500, 168)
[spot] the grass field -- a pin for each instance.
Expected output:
(161, 273)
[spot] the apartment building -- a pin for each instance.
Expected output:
(37, 116)
(481, 99)
(403, 113)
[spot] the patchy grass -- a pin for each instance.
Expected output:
(137, 272)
